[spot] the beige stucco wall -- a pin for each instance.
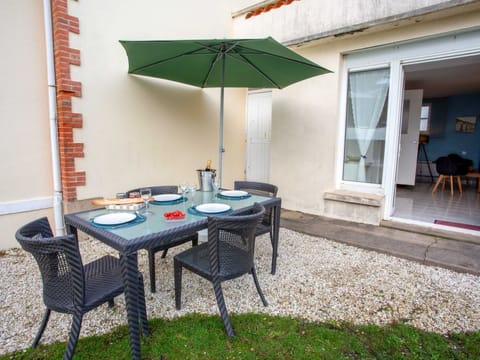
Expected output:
(25, 165)
(305, 120)
(142, 131)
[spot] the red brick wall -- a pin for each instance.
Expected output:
(66, 88)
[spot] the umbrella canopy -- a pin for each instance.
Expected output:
(252, 63)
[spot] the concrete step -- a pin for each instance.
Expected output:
(438, 249)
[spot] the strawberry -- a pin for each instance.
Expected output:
(174, 215)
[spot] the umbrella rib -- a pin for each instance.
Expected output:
(258, 70)
(144, 67)
(210, 68)
(217, 58)
(250, 51)
(210, 49)
(165, 60)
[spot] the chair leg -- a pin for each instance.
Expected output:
(195, 240)
(164, 253)
(111, 303)
(459, 182)
(271, 222)
(217, 287)
(177, 272)
(257, 285)
(440, 178)
(151, 270)
(43, 325)
(142, 308)
(451, 185)
(74, 334)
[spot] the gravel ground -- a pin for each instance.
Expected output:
(316, 279)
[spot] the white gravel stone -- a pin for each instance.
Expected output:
(317, 279)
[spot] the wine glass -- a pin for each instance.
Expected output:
(146, 194)
(216, 185)
(183, 187)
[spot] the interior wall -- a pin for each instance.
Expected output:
(444, 138)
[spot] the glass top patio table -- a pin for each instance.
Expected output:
(140, 236)
(155, 231)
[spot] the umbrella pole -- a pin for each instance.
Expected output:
(221, 150)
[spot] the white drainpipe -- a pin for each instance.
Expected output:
(52, 106)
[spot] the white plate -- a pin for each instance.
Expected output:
(233, 193)
(167, 197)
(114, 219)
(213, 208)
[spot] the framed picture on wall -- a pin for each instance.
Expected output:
(465, 124)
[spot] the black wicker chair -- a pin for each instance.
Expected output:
(464, 166)
(69, 286)
(263, 189)
(158, 190)
(228, 254)
(449, 168)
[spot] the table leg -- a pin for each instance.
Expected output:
(71, 230)
(276, 231)
(130, 280)
(475, 176)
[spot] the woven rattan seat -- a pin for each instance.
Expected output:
(158, 190)
(69, 286)
(228, 254)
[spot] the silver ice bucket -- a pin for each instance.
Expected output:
(205, 179)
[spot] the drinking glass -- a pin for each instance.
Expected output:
(146, 194)
(192, 189)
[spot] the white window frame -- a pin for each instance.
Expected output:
(428, 118)
(395, 56)
(353, 185)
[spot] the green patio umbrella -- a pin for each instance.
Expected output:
(252, 63)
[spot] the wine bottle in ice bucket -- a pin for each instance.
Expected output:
(206, 176)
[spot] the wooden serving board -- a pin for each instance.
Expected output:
(106, 202)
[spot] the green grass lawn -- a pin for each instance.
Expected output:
(268, 337)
